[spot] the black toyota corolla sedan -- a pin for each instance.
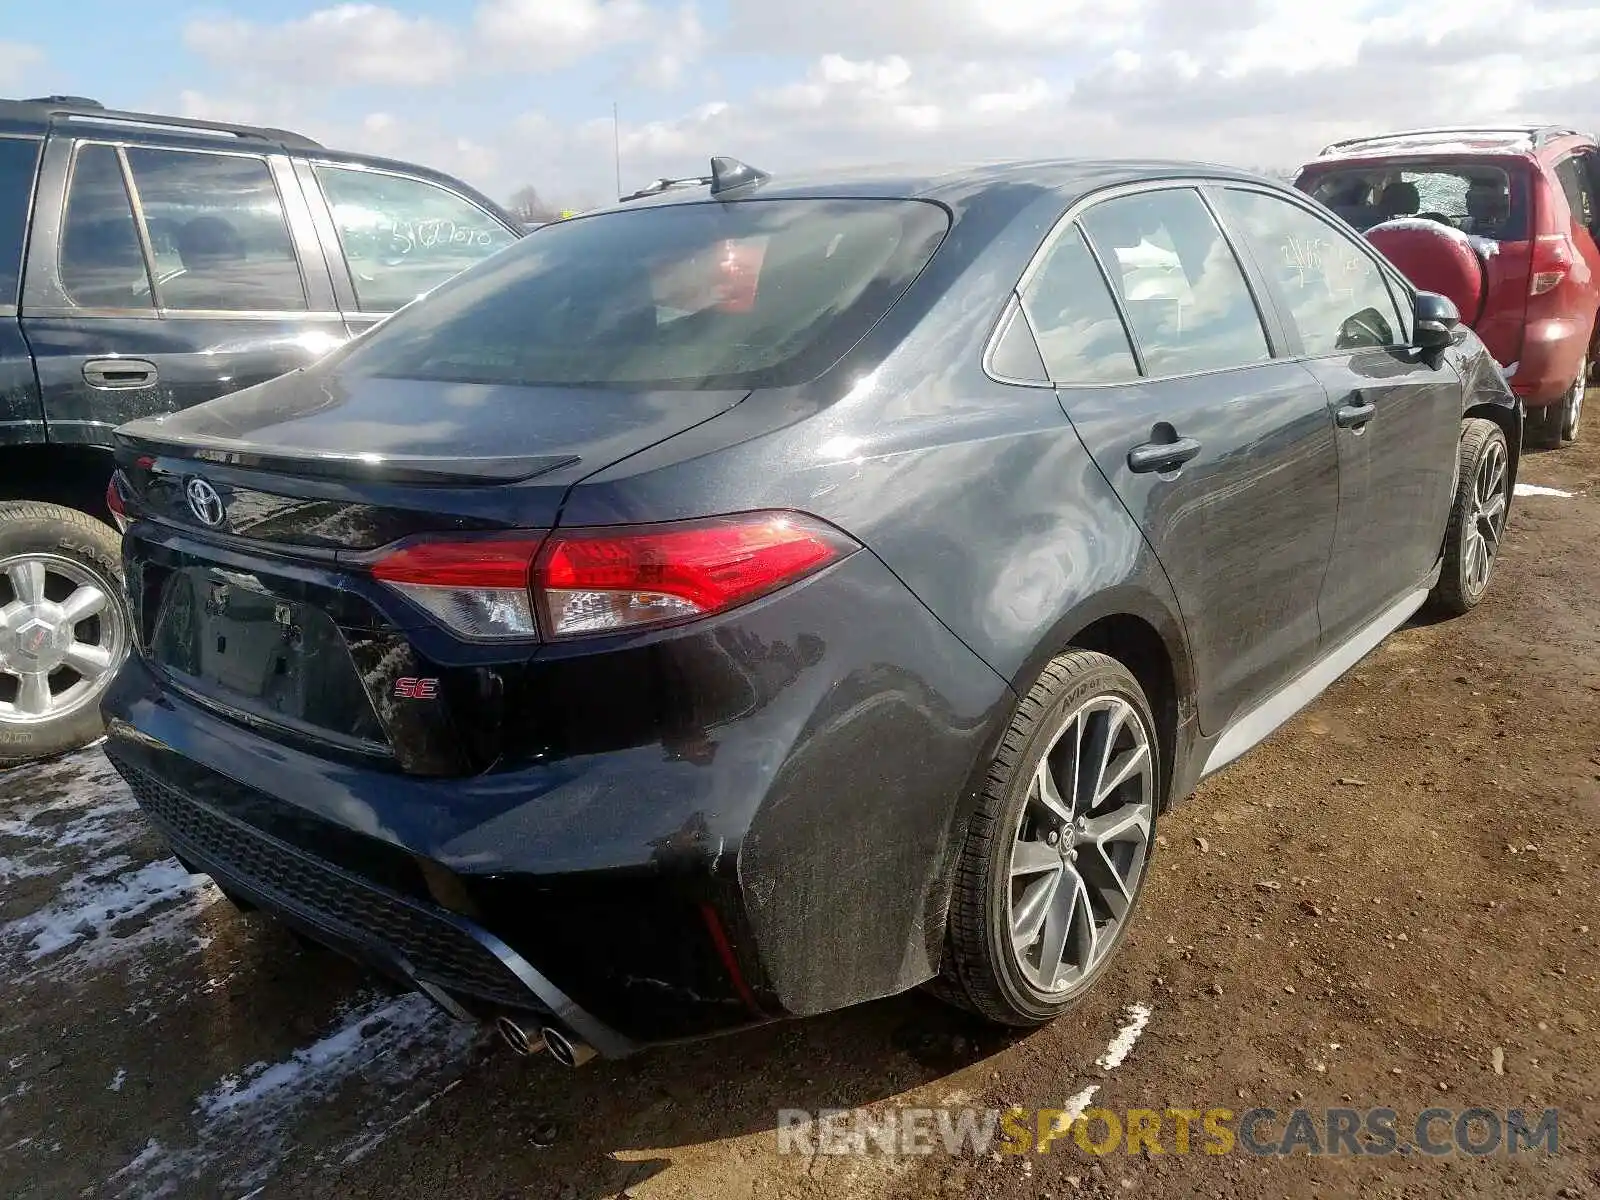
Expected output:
(778, 593)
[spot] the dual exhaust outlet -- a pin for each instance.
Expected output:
(568, 1051)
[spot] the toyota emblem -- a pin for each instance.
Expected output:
(204, 502)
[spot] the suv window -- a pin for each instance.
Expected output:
(1336, 293)
(748, 294)
(217, 232)
(19, 158)
(102, 263)
(1178, 281)
(1575, 183)
(1476, 198)
(1074, 317)
(403, 237)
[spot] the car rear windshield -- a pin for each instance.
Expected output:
(1481, 199)
(746, 294)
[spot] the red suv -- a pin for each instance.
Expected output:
(1514, 211)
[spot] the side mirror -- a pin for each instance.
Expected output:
(1437, 321)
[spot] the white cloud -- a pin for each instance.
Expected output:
(347, 44)
(18, 63)
(1256, 82)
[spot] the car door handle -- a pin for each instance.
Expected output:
(1354, 416)
(114, 373)
(1162, 456)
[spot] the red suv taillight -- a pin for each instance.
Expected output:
(610, 579)
(1553, 256)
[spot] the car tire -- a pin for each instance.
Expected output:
(1477, 518)
(56, 564)
(1009, 892)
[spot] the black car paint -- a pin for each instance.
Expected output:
(197, 356)
(805, 765)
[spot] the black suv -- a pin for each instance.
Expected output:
(148, 263)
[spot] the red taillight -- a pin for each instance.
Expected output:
(608, 580)
(479, 588)
(1553, 256)
(116, 504)
(602, 580)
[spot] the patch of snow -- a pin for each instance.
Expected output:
(117, 1080)
(246, 1123)
(90, 906)
(1078, 1104)
(1135, 1018)
(1138, 1016)
(1533, 489)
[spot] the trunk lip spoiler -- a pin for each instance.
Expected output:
(346, 466)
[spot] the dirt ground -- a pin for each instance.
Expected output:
(1389, 904)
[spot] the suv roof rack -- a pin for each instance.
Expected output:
(83, 109)
(1537, 135)
(727, 175)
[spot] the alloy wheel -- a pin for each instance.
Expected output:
(62, 637)
(1081, 844)
(1488, 517)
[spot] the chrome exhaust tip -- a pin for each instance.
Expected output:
(514, 1035)
(566, 1051)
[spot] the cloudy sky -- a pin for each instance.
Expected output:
(514, 92)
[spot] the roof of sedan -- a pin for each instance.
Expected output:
(1070, 177)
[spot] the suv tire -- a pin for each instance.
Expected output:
(64, 627)
(1477, 518)
(1062, 863)
(1572, 410)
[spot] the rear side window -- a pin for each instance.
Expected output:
(19, 158)
(403, 237)
(217, 232)
(1477, 198)
(1178, 281)
(1337, 295)
(755, 293)
(102, 263)
(1575, 184)
(1074, 318)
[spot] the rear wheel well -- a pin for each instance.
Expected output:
(73, 476)
(1135, 643)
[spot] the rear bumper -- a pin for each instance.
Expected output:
(794, 859)
(1552, 350)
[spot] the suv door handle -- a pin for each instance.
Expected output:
(1354, 416)
(114, 373)
(1162, 456)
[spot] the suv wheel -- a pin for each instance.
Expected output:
(1572, 410)
(1477, 518)
(63, 627)
(1056, 853)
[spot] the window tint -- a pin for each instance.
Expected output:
(1485, 201)
(1575, 183)
(18, 159)
(217, 232)
(1336, 293)
(758, 293)
(1080, 334)
(1178, 281)
(102, 265)
(403, 237)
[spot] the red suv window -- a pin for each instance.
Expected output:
(1482, 199)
